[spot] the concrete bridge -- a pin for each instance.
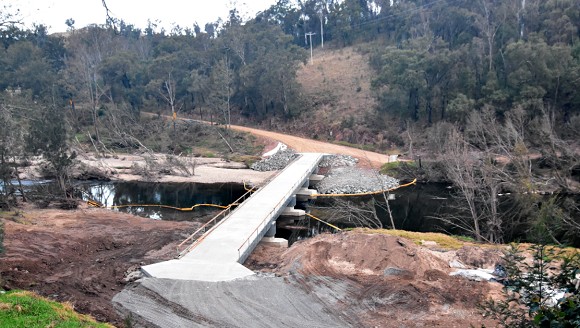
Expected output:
(219, 255)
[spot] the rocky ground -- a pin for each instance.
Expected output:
(342, 175)
(277, 161)
(353, 180)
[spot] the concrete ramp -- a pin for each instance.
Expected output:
(199, 269)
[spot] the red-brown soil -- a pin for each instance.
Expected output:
(83, 256)
(353, 266)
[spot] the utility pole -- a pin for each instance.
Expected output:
(322, 28)
(310, 34)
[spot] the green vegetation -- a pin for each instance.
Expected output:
(531, 289)
(26, 309)
(393, 168)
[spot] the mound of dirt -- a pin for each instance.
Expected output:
(83, 256)
(354, 254)
(380, 280)
(480, 257)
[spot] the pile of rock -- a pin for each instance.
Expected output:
(275, 162)
(338, 160)
(350, 180)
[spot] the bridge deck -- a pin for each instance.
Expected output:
(217, 257)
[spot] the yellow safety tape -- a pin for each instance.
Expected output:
(328, 224)
(93, 203)
(183, 209)
(248, 189)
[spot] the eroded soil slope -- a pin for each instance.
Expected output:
(380, 280)
(83, 256)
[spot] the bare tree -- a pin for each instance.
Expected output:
(222, 80)
(489, 158)
(359, 214)
(168, 93)
(489, 22)
(9, 18)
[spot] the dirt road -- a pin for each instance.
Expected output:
(366, 158)
(314, 146)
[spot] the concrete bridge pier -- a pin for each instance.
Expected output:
(315, 179)
(271, 240)
(272, 231)
(305, 194)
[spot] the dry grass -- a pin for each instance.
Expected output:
(339, 81)
(419, 238)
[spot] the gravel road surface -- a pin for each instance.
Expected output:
(252, 302)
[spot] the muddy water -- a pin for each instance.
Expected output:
(180, 195)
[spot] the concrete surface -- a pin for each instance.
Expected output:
(275, 242)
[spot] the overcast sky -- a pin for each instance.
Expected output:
(54, 13)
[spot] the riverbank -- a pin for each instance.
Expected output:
(156, 168)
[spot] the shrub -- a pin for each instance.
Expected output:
(538, 294)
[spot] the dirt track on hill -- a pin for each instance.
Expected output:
(314, 146)
(305, 145)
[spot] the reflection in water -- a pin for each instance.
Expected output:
(414, 208)
(171, 194)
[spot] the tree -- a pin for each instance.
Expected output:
(531, 289)
(71, 24)
(48, 137)
(222, 81)
(10, 151)
(23, 61)
(9, 18)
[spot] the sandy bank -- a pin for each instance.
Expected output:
(158, 168)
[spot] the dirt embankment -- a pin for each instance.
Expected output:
(83, 256)
(381, 280)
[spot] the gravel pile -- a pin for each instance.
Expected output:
(338, 160)
(350, 180)
(275, 162)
